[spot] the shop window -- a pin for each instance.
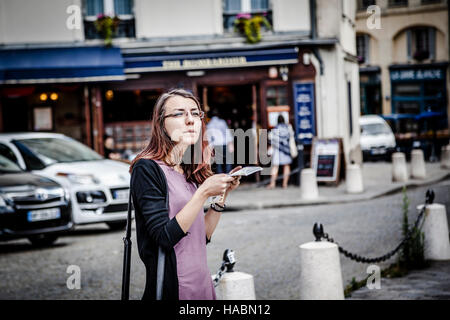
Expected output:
(364, 4)
(398, 3)
(421, 43)
(231, 8)
(123, 9)
(276, 96)
(362, 48)
(420, 96)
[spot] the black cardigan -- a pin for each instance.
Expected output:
(154, 228)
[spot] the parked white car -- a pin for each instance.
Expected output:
(377, 139)
(98, 187)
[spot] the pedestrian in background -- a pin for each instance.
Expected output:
(109, 151)
(169, 192)
(219, 136)
(281, 154)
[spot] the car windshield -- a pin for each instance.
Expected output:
(7, 166)
(57, 150)
(373, 129)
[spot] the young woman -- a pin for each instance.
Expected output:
(170, 183)
(281, 153)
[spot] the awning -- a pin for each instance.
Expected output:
(56, 65)
(144, 62)
(398, 116)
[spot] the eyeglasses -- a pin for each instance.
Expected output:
(196, 114)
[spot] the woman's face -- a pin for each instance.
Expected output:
(182, 120)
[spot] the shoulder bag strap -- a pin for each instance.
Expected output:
(127, 254)
(161, 253)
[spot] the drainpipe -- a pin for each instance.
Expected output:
(313, 35)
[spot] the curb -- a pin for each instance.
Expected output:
(389, 191)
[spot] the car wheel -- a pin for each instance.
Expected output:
(117, 225)
(42, 240)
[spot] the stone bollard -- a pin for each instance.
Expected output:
(320, 272)
(445, 157)
(435, 229)
(236, 286)
(417, 164)
(309, 189)
(399, 172)
(354, 180)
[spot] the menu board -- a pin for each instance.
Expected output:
(305, 128)
(326, 159)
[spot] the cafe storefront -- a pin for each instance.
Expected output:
(249, 88)
(420, 105)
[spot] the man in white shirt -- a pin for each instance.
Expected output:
(219, 136)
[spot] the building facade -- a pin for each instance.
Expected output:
(57, 74)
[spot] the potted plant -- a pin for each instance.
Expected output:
(250, 27)
(107, 27)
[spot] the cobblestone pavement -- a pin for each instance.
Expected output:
(430, 283)
(265, 241)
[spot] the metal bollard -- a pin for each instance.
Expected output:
(417, 164)
(445, 157)
(320, 271)
(399, 172)
(435, 229)
(308, 187)
(232, 285)
(354, 180)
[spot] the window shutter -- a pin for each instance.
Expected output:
(432, 43)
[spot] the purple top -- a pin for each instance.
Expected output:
(194, 279)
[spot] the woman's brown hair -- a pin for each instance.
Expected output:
(198, 167)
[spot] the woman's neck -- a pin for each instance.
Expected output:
(175, 157)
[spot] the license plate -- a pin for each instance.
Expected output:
(44, 214)
(121, 194)
(378, 151)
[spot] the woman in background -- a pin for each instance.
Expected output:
(281, 154)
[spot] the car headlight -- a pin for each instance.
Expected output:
(79, 178)
(2, 202)
(66, 195)
(5, 207)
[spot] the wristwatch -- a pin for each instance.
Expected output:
(217, 207)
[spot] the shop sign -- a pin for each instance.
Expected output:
(204, 63)
(304, 112)
(326, 159)
(422, 74)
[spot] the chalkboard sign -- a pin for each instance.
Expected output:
(326, 159)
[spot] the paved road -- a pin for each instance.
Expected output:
(265, 241)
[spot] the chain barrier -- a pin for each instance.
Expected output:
(319, 234)
(228, 263)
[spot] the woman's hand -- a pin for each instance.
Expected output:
(216, 185)
(236, 180)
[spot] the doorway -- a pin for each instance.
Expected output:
(15, 114)
(238, 106)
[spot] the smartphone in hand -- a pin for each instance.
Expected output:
(246, 171)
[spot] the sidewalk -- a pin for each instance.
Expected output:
(377, 179)
(430, 283)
